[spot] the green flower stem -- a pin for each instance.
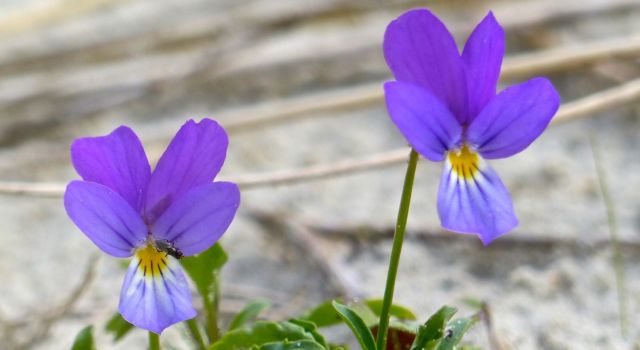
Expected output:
(154, 341)
(211, 304)
(394, 261)
(195, 333)
(618, 260)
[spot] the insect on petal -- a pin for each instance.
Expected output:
(155, 293)
(472, 198)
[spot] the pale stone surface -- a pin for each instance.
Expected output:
(550, 283)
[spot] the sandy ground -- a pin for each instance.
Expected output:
(550, 283)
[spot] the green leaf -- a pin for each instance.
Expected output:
(397, 311)
(261, 333)
(249, 313)
(202, 268)
(473, 303)
(357, 325)
(312, 329)
(454, 333)
(366, 314)
(84, 340)
(323, 315)
(432, 331)
(118, 326)
(293, 345)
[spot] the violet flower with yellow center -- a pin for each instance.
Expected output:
(446, 106)
(156, 217)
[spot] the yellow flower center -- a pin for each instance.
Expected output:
(151, 261)
(464, 162)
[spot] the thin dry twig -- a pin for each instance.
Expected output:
(371, 94)
(614, 97)
(487, 319)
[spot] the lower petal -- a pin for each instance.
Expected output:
(155, 293)
(472, 199)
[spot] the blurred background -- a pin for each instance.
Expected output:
(298, 86)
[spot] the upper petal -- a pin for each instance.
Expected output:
(194, 157)
(473, 200)
(198, 219)
(482, 57)
(105, 217)
(155, 293)
(419, 49)
(514, 118)
(117, 161)
(424, 121)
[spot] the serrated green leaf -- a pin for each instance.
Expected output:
(293, 345)
(357, 325)
(249, 313)
(456, 329)
(118, 326)
(260, 333)
(432, 331)
(312, 329)
(323, 315)
(84, 340)
(202, 268)
(396, 311)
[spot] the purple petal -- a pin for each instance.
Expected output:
(477, 203)
(199, 218)
(482, 57)
(105, 217)
(194, 157)
(423, 120)
(155, 293)
(419, 49)
(117, 161)
(514, 118)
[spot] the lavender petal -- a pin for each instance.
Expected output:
(194, 157)
(198, 219)
(117, 161)
(104, 217)
(419, 49)
(423, 120)
(514, 119)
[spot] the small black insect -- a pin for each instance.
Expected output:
(163, 245)
(448, 333)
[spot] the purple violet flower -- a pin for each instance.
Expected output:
(127, 210)
(445, 104)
